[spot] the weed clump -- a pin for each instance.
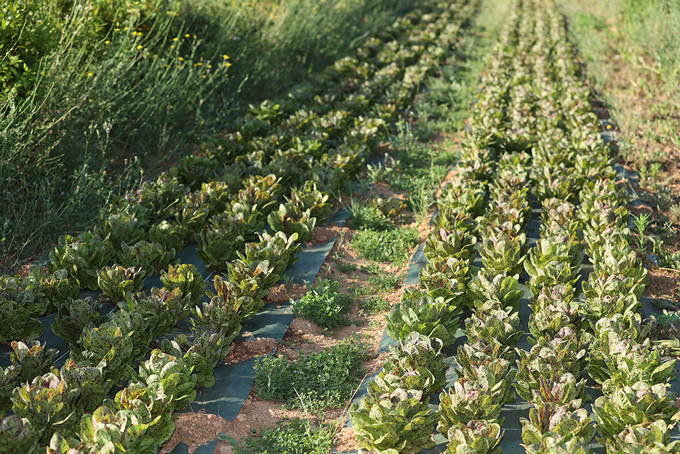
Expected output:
(316, 382)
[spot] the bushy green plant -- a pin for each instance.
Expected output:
(496, 324)
(32, 359)
(393, 422)
(150, 257)
(18, 322)
(116, 281)
(49, 403)
(558, 423)
(7, 383)
(289, 219)
(636, 404)
(363, 215)
(294, 435)
(468, 400)
(56, 287)
(499, 292)
(443, 244)
(151, 406)
(646, 437)
(82, 256)
(177, 380)
(90, 380)
(186, 278)
(19, 436)
(503, 254)
(427, 316)
(386, 246)
(203, 352)
(107, 342)
(318, 381)
(123, 228)
(421, 354)
(73, 316)
(168, 235)
(163, 308)
(475, 437)
(106, 430)
(325, 305)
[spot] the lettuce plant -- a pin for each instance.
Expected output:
(123, 228)
(107, 342)
(163, 308)
(632, 405)
(17, 321)
(444, 244)
(389, 207)
(186, 278)
(289, 219)
(89, 380)
(82, 256)
(220, 313)
(203, 352)
(557, 182)
(261, 192)
(451, 291)
(602, 307)
(649, 437)
(122, 431)
(74, 316)
(8, 378)
(500, 292)
(19, 436)
(496, 324)
(548, 265)
(483, 352)
(309, 197)
(32, 359)
(228, 233)
(475, 437)
(151, 407)
(177, 381)
(503, 254)
(150, 257)
(602, 285)
(418, 353)
(279, 249)
(251, 281)
(191, 217)
(49, 403)
(468, 401)
(23, 292)
(139, 325)
(455, 220)
(397, 421)
(168, 235)
(427, 316)
(554, 445)
(558, 424)
(116, 281)
(622, 361)
(56, 287)
(218, 196)
(446, 270)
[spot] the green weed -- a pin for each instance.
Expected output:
(374, 305)
(364, 216)
(290, 436)
(325, 305)
(319, 381)
(386, 246)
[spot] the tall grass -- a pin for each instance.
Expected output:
(125, 87)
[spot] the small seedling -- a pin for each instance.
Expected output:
(642, 224)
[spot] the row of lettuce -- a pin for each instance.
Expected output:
(532, 129)
(281, 166)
